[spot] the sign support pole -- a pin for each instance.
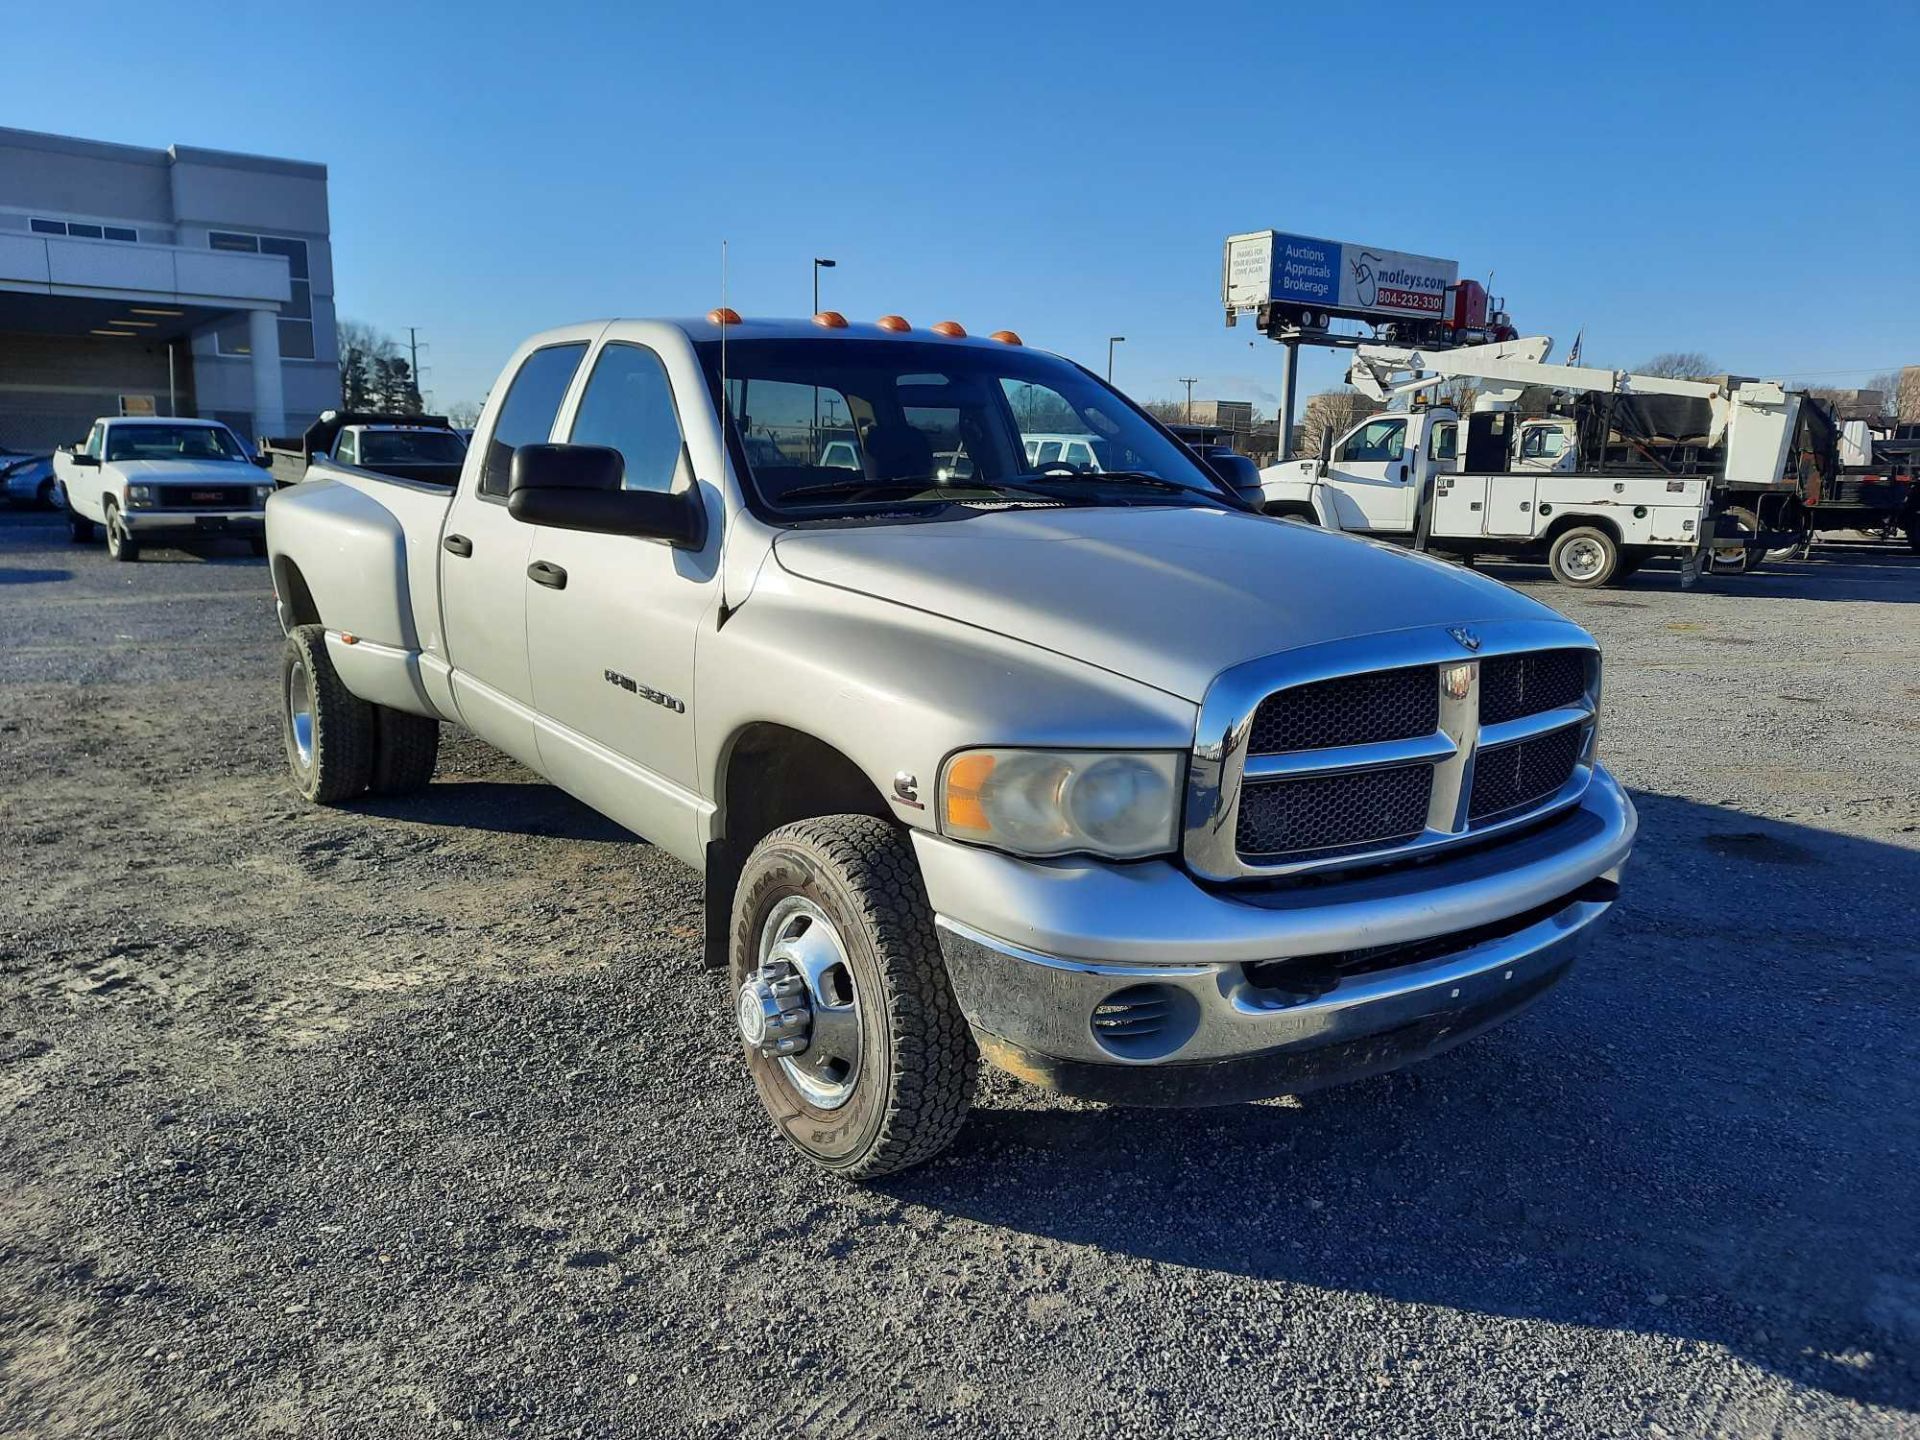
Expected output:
(1289, 373)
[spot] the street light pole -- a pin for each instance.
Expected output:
(1112, 340)
(1189, 384)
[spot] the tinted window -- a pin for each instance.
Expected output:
(411, 447)
(527, 414)
(1445, 438)
(85, 232)
(628, 405)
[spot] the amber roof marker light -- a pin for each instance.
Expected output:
(952, 329)
(1006, 337)
(830, 320)
(723, 315)
(896, 323)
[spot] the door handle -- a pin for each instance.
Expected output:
(1403, 472)
(545, 572)
(458, 545)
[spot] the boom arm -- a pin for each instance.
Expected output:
(1754, 418)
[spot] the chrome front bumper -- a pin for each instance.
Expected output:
(1522, 909)
(190, 522)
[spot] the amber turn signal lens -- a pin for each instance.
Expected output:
(950, 328)
(966, 777)
(893, 322)
(723, 315)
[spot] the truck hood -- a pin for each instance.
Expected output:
(188, 472)
(1167, 596)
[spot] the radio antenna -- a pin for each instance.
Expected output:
(726, 401)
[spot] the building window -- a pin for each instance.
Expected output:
(81, 229)
(296, 316)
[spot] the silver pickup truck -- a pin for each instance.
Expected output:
(1085, 767)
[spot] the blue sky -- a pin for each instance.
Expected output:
(1663, 176)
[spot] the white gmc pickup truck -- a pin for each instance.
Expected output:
(144, 480)
(1085, 767)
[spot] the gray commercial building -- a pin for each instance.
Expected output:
(177, 281)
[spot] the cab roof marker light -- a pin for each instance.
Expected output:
(895, 323)
(723, 315)
(952, 329)
(1006, 337)
(830, 320)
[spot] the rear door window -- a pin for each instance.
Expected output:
(527, 414)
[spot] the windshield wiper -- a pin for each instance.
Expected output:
(1118, 477)
(928, 489)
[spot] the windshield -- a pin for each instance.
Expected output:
(411, 447)
(172, 442)
(831, 423)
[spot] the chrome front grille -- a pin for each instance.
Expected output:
(1388, 746)
(1350, 710)
(1324, 813)
(1520, 775)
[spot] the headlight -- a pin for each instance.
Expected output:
(139, 495)
(260, 494)
(1122, 804)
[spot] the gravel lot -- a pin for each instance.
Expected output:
(422, 1119)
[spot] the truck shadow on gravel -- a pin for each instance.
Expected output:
(504, 807)
(1706, 1132)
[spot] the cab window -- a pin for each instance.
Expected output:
(344, 449)
(527, 414)
(1443, 445)
(628, 405)
(1376, 440)
(94, 437)
(1541, 443)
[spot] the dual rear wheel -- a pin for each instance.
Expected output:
(338, 745)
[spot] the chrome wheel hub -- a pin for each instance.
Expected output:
(800, 1007)
(300, 714)
(773, 1012)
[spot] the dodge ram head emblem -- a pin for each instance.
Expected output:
(1465, 636)
(906, 789)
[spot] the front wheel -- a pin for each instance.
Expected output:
(853, 1037)
(328, 729)
(121, 545)
(1584, 557)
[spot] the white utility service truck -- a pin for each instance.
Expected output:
(1618, 474)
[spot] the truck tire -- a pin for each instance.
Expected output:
(1584, 557)
(327, 728)
(121, 545)
(405, 749)
(830, 920)
(79, 528)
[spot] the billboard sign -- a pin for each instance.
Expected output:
(1367, 280)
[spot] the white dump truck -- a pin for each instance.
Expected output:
(1627, 468)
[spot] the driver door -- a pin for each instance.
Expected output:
(1371, 476)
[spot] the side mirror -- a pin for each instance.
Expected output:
(577, 487)
(265, 462)
(1238, 474)
(80, 457)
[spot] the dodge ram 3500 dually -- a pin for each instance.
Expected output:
(1085, 767)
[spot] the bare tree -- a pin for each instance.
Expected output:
(464, 414)
(1337, 409)
(1168, 412)
(1887, 382)
(1679, 365)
